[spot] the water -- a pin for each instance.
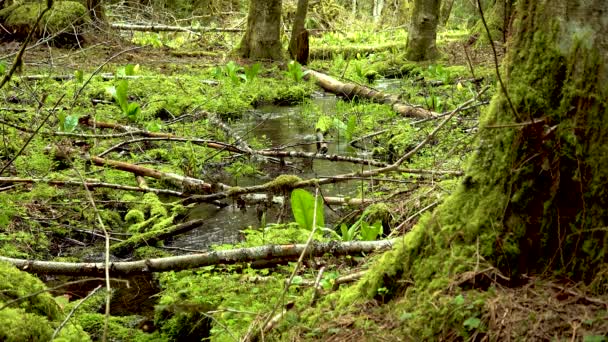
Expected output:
(281, 126)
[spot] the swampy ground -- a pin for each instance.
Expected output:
(208, 116)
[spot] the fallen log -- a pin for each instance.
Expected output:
(350, 91)
(184, 262)
(151, 238)
(189, 184)
(168, 28)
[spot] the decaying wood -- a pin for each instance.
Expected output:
(184, 262)
(151, 238)
(350, 91)
(90, 183)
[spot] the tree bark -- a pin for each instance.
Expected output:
(423, 31)
(262, 40)
(296, 43)
(533, 200)
(446, 10)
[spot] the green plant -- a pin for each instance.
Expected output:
(303, 208)
(251, 72)
(371, 232)
(67, 123)
(295, 71)
(119, 93)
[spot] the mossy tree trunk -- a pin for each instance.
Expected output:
(446, 10)
(297, 32)
(262, 39)
(423, 30)
(498, 18)
(535, 196)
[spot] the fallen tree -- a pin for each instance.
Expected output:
(350, 91)
(183, 262)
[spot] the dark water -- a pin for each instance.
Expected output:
(281, 126)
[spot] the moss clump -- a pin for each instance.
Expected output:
(120, 328)
(283, 182)
(34, 318)
(16, 284)
(135, 216)
(68, 16)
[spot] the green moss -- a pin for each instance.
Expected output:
(65, 15)
(283, 182)
(120, 328)
(16, 284)
(18, 325)
(135, 216)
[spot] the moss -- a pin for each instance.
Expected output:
(120, 328)
(65, 15)
(134, 216)
(283, 182)
(18, 325)
(34, 318)
(16, 284)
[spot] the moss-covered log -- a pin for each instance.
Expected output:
(65, 22)
(350, 91)
(534, 197)
(152, 237)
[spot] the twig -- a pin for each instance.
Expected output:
(502, 85)
(317, 289)
(67, 318)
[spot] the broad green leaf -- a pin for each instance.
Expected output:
(324, 123)
(129, 70)
(459, 300)
(350, 127)
(2, 67)
(133, 111)
(79, 75)
(594, 338)
(297, 280)
(121, 95)
(302, 206)
(370, 232)
(69, 123)
(472, 323)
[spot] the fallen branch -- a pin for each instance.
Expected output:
(350, 91)
(189, 184)
(90, 183)
(183, 262)
(168, 28)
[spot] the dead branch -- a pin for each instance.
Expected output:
(184, 262)
(192, 185)
(90, 183)
(168, 28)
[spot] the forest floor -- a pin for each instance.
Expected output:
(191, 96)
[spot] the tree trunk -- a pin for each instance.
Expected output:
(298, 44)
(534, 198)
(446, 10)
(96, 11)
(377, 10)
(498, 17)
(423, 31)
(263, 37)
